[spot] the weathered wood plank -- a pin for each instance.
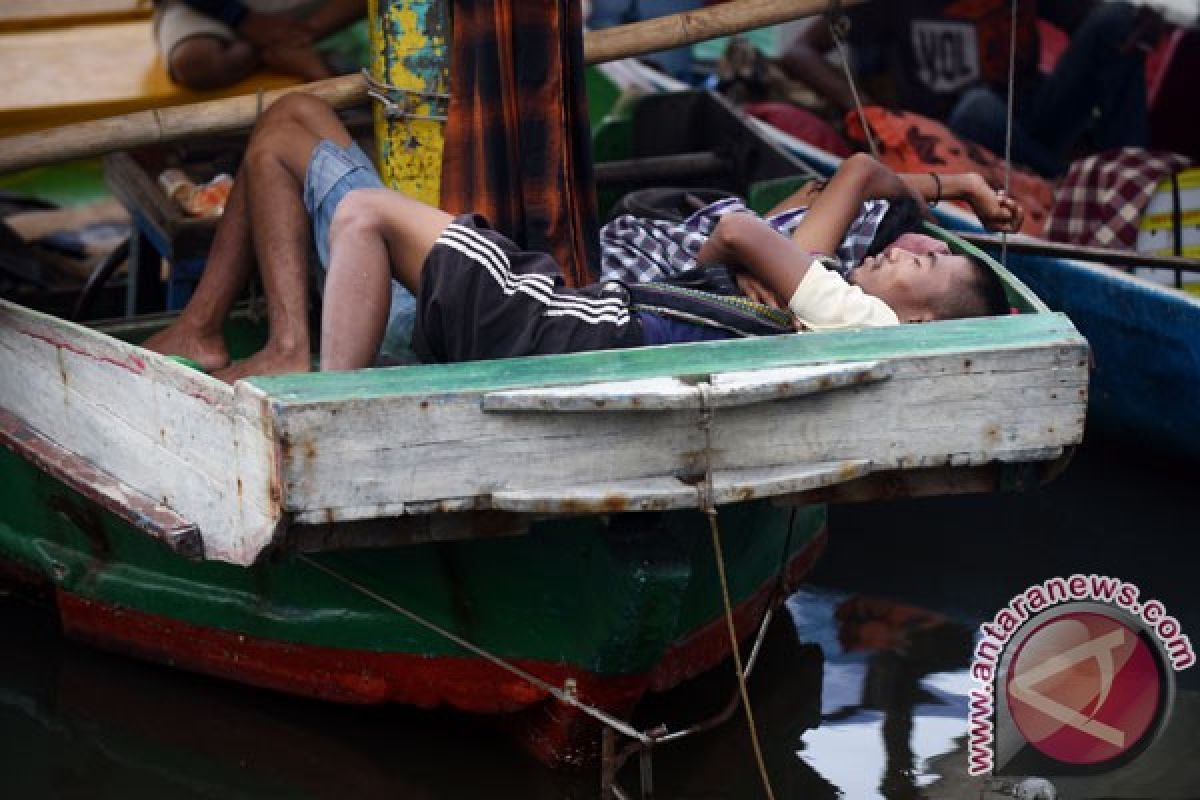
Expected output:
(388, 453)
(670, 494)
(183, 439)
(724, 390)
(101, 488)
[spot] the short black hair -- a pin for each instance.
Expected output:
(982, 295)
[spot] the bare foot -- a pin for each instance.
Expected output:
(303, 62)
(266, 362)
(207, 350)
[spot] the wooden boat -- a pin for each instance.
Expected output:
(1145, 384)
(519, 537)
(166, 513)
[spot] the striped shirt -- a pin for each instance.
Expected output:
(638, 250)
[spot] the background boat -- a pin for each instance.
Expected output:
(346, 536)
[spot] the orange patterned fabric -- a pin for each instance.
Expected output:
(518, 149)
(909, 142)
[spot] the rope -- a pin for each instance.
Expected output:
(839, 24)
(710, 511)
(559, 694)
(1008, 122)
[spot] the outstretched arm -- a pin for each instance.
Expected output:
(996, 209)
(859, 178)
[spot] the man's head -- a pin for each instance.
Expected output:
(921, 280)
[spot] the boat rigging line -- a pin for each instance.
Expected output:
(839, 26)
(563, 695)
(705, 489)
(1008, 121)
(643, 741)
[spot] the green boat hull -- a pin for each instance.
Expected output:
(618, 605)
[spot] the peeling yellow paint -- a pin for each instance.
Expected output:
(410, 151)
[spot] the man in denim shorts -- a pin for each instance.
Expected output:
(299, 165)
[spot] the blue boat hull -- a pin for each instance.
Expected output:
(1145, 341)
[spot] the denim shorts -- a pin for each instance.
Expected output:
(333, 172)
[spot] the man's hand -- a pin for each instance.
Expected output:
(996, 209)
(274, 30)
(755, 290)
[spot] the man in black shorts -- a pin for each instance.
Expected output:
(470, 293)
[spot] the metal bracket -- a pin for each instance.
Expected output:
(613, 759)
(404, 103)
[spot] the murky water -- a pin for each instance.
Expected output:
(75, 722)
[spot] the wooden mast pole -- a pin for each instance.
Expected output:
(96, 137)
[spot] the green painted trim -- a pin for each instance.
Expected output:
(578, 591)
(701, 358)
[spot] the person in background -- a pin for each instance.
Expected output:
(949, 60)
(208, 44)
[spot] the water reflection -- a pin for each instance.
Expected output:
(884, 711)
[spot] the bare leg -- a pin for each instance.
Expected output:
(196, 334)
(276, 161)
(375, 235)
(209, 62)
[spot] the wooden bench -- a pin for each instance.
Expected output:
(29, 15)
(59, 76)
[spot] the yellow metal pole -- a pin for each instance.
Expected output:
(410, 86)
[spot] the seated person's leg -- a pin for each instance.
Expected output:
(197, 331)
(291, 135)
(375, 236)
(200, 52)
(207, 62)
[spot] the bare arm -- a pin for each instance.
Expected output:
(997, 210)
(858, 179)
(743, 241)
(805, 61)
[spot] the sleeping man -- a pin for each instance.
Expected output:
(469, 293)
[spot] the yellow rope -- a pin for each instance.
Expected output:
(737, 655)
(710, 511)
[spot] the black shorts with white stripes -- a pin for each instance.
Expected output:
(482, 297)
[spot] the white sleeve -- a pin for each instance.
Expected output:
(825, 301)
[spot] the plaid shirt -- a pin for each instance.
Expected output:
(1101, 199)
(637, 250)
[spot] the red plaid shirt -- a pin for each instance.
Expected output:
(1102, 197)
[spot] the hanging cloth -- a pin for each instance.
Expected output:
(518, 148)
